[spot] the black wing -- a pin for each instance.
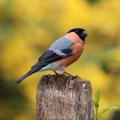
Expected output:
(50, 57)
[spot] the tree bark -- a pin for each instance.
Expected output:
(64, 97)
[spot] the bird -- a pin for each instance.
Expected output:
(62, 53)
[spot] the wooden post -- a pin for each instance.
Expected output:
(62, 97)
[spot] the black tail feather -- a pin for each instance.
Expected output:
(34, 69)
(24, 76)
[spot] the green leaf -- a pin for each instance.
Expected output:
(97, 99)
(107, 109)
(96, 102)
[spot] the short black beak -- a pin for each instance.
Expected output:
(84, 34)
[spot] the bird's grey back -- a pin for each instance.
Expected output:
(61, 43)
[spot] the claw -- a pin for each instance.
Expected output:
(55, 72)
(67, 73)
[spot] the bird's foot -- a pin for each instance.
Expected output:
(68, 74)
(55, 72)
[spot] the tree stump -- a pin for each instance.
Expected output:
(64, 97)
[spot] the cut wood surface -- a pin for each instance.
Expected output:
(64, 97)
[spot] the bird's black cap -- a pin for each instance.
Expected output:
(82, 33)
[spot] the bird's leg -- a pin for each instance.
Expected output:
(55, 72)
(67, 73)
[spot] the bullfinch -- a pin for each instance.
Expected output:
(63, 52)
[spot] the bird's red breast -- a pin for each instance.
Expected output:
(77, 50)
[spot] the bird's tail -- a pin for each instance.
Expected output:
(24, 76)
